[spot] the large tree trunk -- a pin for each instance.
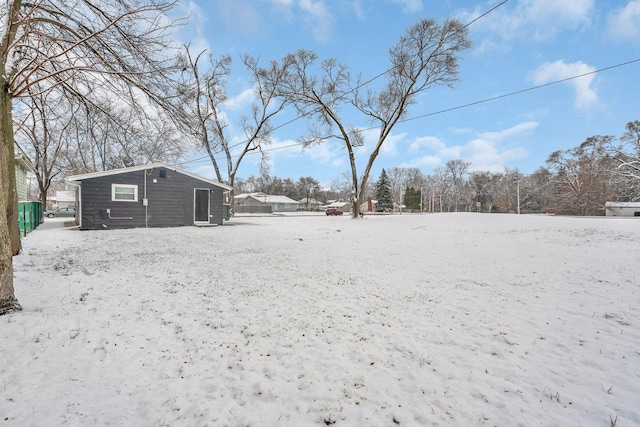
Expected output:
(8, 302)
(8, 204)
(12, 203)
(7, 154)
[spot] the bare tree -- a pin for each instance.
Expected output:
(508, 191)
(42, 120)
(342, 186)
(402, 178)
(632, 138)
(483, 184)
(440, 187)
(629, 159)
(537, 191)
(127, 135)
(414, 177)
(625, 154)
(397, 180)
(59, 135)
(456, 171)
(308, 187)
(425, 56)
(122, 45)
(202, 98)
(582, 179)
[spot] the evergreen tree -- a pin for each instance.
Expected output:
(412, 198)
(383, 193)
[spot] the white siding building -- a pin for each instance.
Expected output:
(622, 208)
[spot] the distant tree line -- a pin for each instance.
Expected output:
(577, 181)
(305, 189)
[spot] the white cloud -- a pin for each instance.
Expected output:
(486, 151)
(286, 148)
(358, 9)
(486, 155)
(285, 3)
(624, 23)
(454, 152)
(325, 153)
(318, 19)
(565, 13)
(482, 154)
(253, 23)
(529, 19)
(410, 6)
(389, 147)
(489, 151)
(430, 142)
(424, 161)
(586, 97)
(518, 129)
(277, 151)
(328, 154)
(339, 164)
(206, 171)
(193, 33)
(241, 101)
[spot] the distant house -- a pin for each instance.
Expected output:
(340, 205)
(154, 195)
(308, 204)
(63, 199)
(263, 203)
(622, 208)
(23, 167)
(369, 206)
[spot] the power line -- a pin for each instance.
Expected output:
(371, 80)
(506, 95)
(482, 101)
(464, 27)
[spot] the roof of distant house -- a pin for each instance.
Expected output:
(310, 201)
(266, 198)
(336, 205)
(24, 161)
(64, 196)
(622, 204)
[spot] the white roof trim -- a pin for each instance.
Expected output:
(91, 175)
(269, 199)
(622, 204)
(23, 161)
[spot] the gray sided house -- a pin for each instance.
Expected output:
(261, 202)
(154, 195)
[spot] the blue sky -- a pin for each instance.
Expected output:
(521, 44)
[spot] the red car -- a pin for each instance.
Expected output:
(333, 211)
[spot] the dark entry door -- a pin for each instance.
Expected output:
(201, 205)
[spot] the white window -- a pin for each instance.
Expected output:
(124, 193)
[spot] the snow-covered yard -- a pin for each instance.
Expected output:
(436, 320)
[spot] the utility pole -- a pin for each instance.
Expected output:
(432, 208)
(518, 193)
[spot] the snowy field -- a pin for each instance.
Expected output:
(410, 320)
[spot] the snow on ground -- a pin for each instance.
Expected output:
(436, 320)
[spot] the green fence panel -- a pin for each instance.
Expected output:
(21, 207)
(30, 215)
